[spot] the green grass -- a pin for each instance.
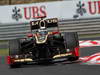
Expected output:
(4, 52)
(89, 35)
(3, 41)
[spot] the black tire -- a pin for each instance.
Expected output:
(15, 65)
(14, 48)
(73, 58)
(71, 40)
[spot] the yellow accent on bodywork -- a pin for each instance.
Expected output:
(62, 55)
(23, 60)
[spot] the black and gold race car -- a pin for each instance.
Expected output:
(44, 46)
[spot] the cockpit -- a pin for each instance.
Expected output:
(42, 32)
(41, 35)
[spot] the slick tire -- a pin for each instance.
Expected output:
(71, 39)
(73, 58)
(71, 42)
(14, 47)
(15, 65)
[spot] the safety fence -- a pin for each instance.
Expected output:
(82, 26)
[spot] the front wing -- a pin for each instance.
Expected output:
(59, 57)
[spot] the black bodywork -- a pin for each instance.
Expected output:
(53, 46)
(44, 48)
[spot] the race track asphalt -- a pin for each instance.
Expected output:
(57, 68)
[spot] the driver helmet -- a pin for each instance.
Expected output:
(42, 31)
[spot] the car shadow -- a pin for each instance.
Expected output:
(34, 65)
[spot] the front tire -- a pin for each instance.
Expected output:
(14, 49)
(72, 43)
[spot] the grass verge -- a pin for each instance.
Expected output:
(4, 52)
(89, 35)
(3, 41)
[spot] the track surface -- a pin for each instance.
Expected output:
(56, 69)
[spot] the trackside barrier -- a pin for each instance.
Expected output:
(12, 31)
(82, 26)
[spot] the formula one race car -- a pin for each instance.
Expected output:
(44, 46)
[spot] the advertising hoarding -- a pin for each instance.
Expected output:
(75, 9)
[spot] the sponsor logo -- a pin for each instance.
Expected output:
(28, 13)
(80, 11)
(34, 12)
(16, 14)
(88, 7)
(94, 7)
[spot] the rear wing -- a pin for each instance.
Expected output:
(53, 22)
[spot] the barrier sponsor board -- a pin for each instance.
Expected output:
(78, 9)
